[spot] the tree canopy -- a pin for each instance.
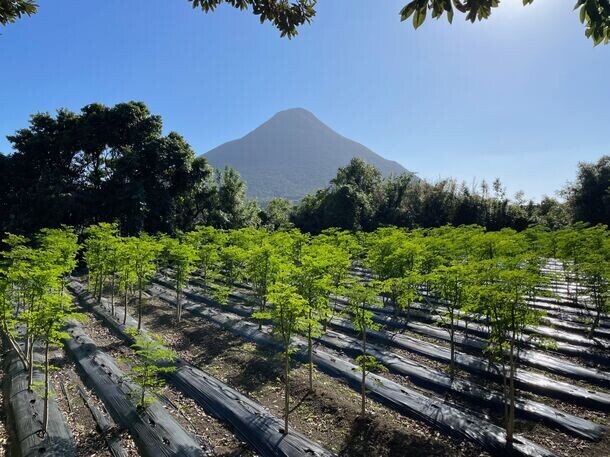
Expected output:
(589, 195)
(287, 16)
(113, 164)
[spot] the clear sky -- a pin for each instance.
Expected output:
(523, 96)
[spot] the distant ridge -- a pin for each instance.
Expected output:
(293, 154)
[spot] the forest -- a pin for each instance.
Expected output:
(113, 164)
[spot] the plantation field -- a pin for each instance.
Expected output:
(451, 341)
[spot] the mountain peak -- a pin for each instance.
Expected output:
(292, 154)
(293, 118)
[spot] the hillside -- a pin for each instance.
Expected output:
(292, 154)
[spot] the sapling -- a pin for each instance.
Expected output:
(453, 284)
(506, 300)
(181, 257)
(313, 283)
(126, 274)
(143, 250)
(97, 245)
(50, 317)
(262, 267)
(288, 316)
(151, 360)
(360, 299)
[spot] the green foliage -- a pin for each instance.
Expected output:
(288, 16)
(360, 299)
(151, 361)
(284, 15)
(277, 214)
(11, 10)
(288, 314)
(113, 164)
(181, 257)
(99, 243)
(594, 14)
(358, 198)
(589, 196)
(32, 280)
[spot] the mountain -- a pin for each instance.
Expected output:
(293, 154)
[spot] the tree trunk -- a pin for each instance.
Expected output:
(452, 345)
(310, 356)
(139, 304)
(112, 295)
(363, 385)
(143, 397)
(178, 306)
(286, 389)
(511, 394)
(45, 417)
(125, 307)
(30, 363)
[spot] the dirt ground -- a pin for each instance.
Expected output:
(89, 442)
(209, 431)
(330, 415)
(537, 432)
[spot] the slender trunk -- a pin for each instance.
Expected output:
(126, 302)
(506, 395)
(143, 397)
(100, 286)
(30, 363)
(510, 424)
(286, 389)
(27, 352)
(310, 355)
(139, 304)
(178, 305)
(452, 345)
(363, 386)
(112, 295)
(15, 347)
(45, 417)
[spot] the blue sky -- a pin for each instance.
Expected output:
(523, 96)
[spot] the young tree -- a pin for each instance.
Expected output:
(49, 319)
(360, 298)
(262, 267)
(313, 283)
(453, 284)
(143, 250)
(596, 273)
(98, 243)
(505, 297)
(288, 314)
(38, 274)
(181, 258)
(207, 242)
(62, 245)
(126, 272)
(152, 359)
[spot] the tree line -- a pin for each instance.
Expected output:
(113, 164)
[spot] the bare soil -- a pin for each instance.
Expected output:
(89, 441)
(209, 431)
(329, 415)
